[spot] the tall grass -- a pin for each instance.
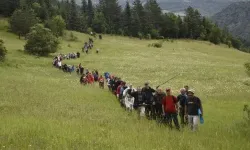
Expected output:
(44, 108)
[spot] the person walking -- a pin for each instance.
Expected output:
(192, 108)
(182, 99)
(169, 107)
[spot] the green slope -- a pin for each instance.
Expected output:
(44, 108)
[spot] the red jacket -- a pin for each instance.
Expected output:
(169, 103)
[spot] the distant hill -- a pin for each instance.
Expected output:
(236, 18)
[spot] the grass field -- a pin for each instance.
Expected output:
(44, 108)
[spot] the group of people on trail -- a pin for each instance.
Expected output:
(88, 77)
(88, 45)
(158, 105)
(57, 62)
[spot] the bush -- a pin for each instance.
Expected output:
(157, 45)
(89, 30)
(72, 37)
(41, 41)
(140, 35)
(3, 50)
(154, 33)
(148, 36)
(160, 37)
(57, 25)
(21, 21)
(247, 66)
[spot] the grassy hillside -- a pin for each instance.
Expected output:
(44, 108)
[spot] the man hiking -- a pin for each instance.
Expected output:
(148, 98)
(192, 108)
(169, 107)
(138, 101)
(101, 82)
(157, 105)
(182, 99)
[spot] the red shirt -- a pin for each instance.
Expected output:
(118, 89)
(169, 103)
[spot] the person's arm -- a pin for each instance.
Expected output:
(185, 109)
(201, 108)
(163, 110)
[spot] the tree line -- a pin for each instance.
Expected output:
(134, 20)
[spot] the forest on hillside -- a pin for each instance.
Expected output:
(142, 20)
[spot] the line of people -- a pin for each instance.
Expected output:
(154, 104)
(158, 105)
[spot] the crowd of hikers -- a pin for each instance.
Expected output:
(154, 104)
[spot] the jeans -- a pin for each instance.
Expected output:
(193, 122)
(172, 116)
(182, 116)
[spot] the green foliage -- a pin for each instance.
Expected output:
(22, 20)
(247, 66)
(57, 25)
(236, 43)
(157, 44)
(89, 30)
(7, 7)
(215, 35)
(3, 50)
(140, 35)
(41, 41)
(72, 37)
(99, 23)
(154, 33)
(148, 36)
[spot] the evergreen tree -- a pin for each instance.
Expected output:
(99, 23)
(112, 13)
(153, 14)
(22, 20)
(138, 19)
(73, 16)
(127, 19)
(90, 12)
(84, 7)
(7, 7)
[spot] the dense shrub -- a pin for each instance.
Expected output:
(22, 20)
(3, 50)
(41, 41)
(247, 66)
(57, 25)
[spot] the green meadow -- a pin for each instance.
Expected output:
(44, 108)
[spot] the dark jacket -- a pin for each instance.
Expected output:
(148, 94)
(158, 97)
(139, 97)
(182, 99)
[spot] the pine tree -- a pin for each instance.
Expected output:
(138, 19)
(73, 16)
(84, 7)
(90, 12)
(112, 13)
(153, 14)
(127, 19)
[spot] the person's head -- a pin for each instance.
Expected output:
(146, 85)
(139, 89)
(168, 91)
(186, 88)
(130, 86)
(190, 93)
(183, 91)
(159, 91)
